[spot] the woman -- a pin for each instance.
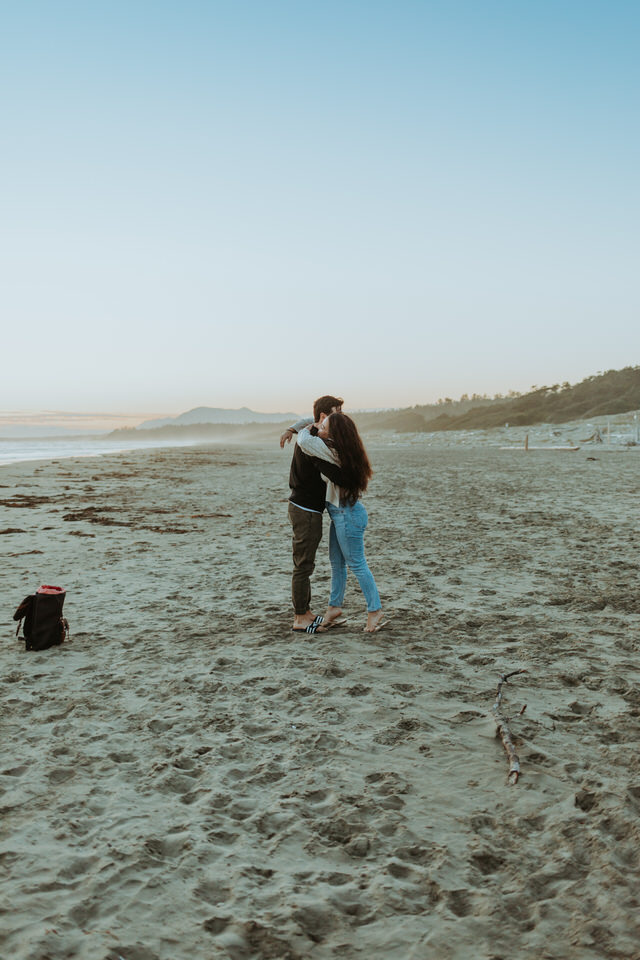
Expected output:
(342, 459)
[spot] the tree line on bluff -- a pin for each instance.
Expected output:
(616, 391)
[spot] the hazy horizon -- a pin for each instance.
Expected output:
(11, 420)
(253, 205)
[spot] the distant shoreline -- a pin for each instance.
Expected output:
(618, 434)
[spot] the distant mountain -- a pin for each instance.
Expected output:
(201, 432)
(218, 415)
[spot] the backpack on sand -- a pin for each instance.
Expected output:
(44, 625)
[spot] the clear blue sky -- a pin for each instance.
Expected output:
(259, 202)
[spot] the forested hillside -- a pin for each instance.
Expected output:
(616, 391)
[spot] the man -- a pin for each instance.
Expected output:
(306, 505)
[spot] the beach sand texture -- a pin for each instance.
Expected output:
(187, 778)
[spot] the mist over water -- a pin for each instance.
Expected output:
(15, 451)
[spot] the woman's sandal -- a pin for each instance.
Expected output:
(379, 625)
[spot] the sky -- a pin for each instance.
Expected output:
(256, 203)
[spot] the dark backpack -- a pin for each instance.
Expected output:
(44, 626)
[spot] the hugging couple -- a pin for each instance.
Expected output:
(329, 468)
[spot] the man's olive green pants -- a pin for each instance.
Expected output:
(307, 534)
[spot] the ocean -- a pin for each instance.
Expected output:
(58, 448)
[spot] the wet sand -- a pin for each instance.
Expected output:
(188, 778)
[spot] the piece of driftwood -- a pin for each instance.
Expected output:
(594, 438)
(526, 446)
(502, 728)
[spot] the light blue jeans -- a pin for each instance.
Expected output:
(346, 549)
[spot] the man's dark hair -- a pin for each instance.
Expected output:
(325, 405)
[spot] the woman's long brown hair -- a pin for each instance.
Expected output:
(354, 462)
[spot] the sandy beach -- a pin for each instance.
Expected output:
(187, 778)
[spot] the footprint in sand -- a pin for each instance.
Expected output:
(487, 862)
(215, 925)
(61, 774)
(398, 870)
(402, 730)
(459, 902)
(358, 690)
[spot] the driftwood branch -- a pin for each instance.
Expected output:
(502, 727)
